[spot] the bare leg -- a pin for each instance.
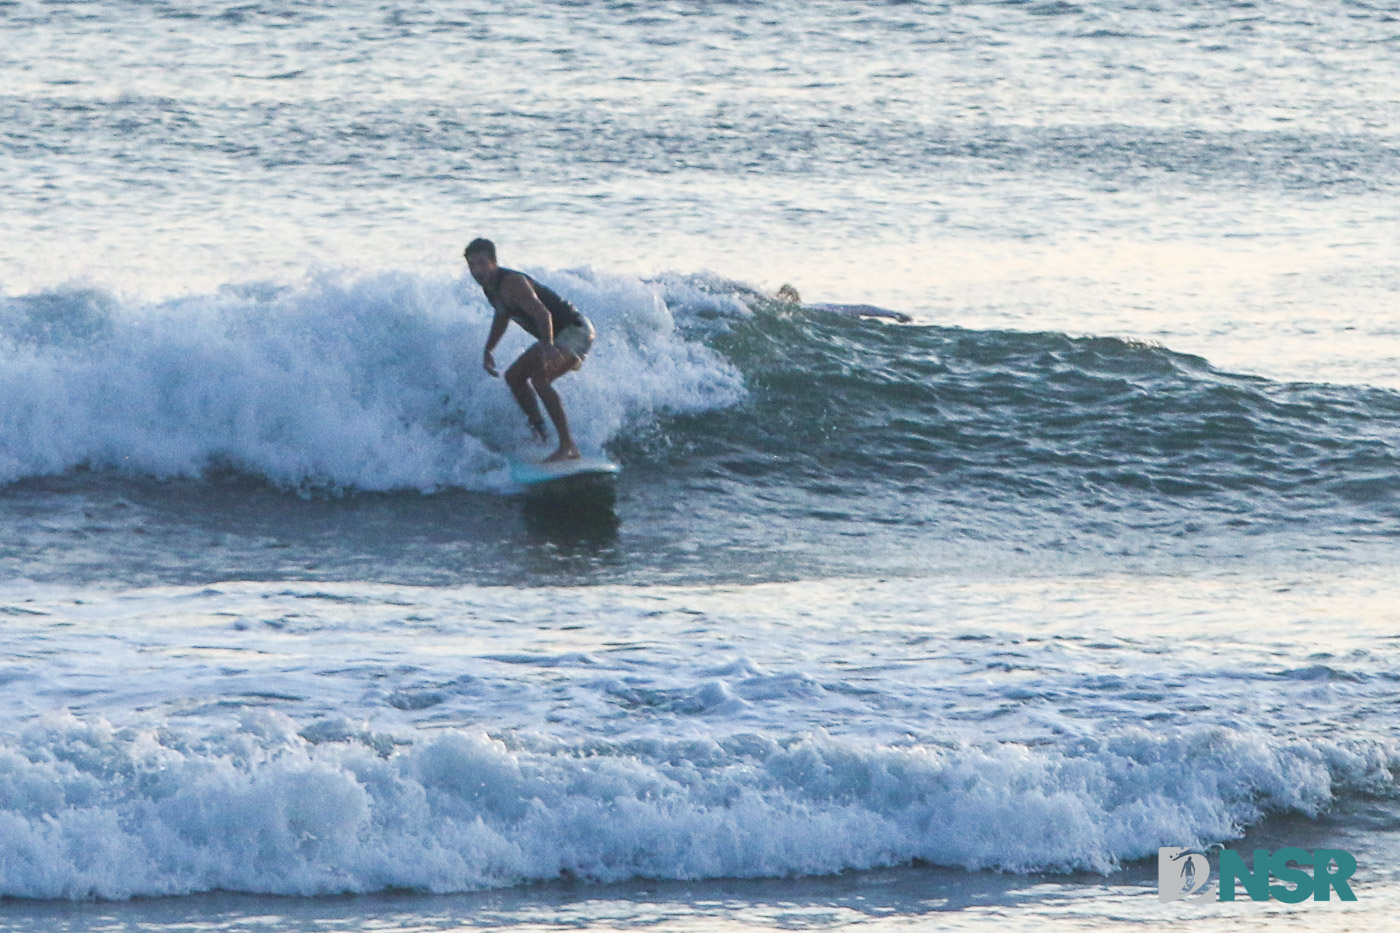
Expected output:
(541, 381)
(518, 378)
(530, 376)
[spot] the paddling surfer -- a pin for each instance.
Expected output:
(563, 338)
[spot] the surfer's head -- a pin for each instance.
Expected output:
(481, 258)
(480, 246)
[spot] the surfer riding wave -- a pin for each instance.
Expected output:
(563, 337)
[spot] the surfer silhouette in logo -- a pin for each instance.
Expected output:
(563, 337)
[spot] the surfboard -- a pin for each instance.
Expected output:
(533, 473)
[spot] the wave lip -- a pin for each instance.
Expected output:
(90, 811)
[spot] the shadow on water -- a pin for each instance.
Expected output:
(579, 512)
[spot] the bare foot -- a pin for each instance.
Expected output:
(562, 454)
(537, 433)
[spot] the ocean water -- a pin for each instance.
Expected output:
(1056, 522)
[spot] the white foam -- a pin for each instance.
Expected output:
(305, 738)
(88, 810)
(373, 383)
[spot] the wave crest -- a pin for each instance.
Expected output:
(371, 384)
(88, 810)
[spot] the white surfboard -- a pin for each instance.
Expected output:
(533, 473)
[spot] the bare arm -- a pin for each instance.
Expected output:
(498, 329)
(516, 290)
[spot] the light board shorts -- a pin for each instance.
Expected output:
(577, 340)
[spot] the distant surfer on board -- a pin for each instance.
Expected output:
(563, 337)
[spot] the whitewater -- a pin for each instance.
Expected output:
(505, 737)
(1046, 518)
(370, 384)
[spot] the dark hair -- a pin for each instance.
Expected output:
(481, 245)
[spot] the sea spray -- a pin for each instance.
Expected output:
(89, 810)
(371, 383)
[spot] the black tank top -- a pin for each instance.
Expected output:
(560, 311)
